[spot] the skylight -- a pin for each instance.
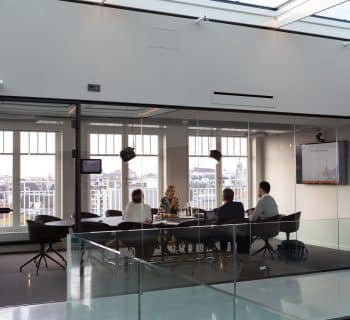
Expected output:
(261, 3)
(340, 12)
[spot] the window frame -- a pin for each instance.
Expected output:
(219, 134)
(27, 126)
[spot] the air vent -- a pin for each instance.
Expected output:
(244, 100)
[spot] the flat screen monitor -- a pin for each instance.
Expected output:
(90, 166)
(322, 163)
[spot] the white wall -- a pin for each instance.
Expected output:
(53, 49)
(321, 205)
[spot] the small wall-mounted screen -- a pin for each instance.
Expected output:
(89, 166)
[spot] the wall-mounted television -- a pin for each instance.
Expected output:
(90, 166)
(322, 163)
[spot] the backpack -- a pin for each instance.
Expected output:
(292, 250)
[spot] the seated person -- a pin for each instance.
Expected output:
(230, 210)
(266, 207)
(169, 203)
(136, 210)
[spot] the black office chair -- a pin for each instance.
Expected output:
(142, 238)
(91, 226)
(186, 235)
(154, 211)
(225, 233)
(86, 215)
(113, 213)
(290, 223)
(62, 231)
(265, 230)
(42, 235)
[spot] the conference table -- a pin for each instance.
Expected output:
(114, 222)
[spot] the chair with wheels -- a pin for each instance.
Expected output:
(266, 230)
(290, 223)
(42, 235)
(62, 231)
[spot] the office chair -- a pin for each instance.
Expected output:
(140, 238)
(86, 215)
(290, 223)
(42, 235)
(154, 211)
(62, 231)
(186, 235)
(113, 213)
(91, 226)
(265, 230)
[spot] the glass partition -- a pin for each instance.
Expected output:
(105, 283)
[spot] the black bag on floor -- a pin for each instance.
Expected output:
(292, 250)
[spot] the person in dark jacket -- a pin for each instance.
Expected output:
(230, 212)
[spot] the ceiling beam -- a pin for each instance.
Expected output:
(300, 9)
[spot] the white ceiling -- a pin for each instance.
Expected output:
(326, 17)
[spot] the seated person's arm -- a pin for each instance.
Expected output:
(218, 213)
(257, 212)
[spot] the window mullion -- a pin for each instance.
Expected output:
(16, 176)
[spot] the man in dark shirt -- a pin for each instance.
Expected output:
(230, 212)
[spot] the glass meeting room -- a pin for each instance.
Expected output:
(135, 195)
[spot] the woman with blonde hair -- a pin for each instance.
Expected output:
(169, 203)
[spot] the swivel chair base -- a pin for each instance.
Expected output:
(266, 247)
(42, 255)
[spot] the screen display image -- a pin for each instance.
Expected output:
(322, 163)
(89, 166)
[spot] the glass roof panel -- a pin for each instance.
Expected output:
(261, 3)
(340, 12)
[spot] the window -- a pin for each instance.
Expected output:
(6, 177)
(207, 177)
(202, 172)
(106, 188)
(37, 174)
(144, 169)
(234, 165)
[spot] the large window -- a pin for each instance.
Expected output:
(106, 188)
(28, 176)
(207, 177)
(37, 174)
(144, 169)
(234, 166)
(6, 178)
(202, 172)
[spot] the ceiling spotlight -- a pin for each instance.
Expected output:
(215, 154)
(346, 43)
(127, 154)
(1, 82)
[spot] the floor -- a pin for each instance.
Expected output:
(26, 288)
(50, 286)
(313, 297)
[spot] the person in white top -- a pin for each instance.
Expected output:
(136, 210)
(266, 207)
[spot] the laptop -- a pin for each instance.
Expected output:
(210, 216)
